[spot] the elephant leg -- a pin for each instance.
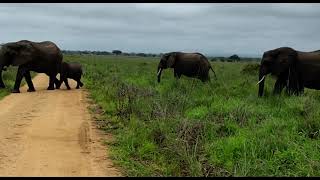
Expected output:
(60, 81)
(29, 81)
(206, 77)
(1, 82)
(177, 74)
(57, 83)
(278, 86)
(20, 73)
(79, 83)
(66, 83)
(51, 82)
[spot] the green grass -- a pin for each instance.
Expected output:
(9, 77)
(189, 128)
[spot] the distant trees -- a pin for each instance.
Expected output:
(116, 52)
(86, 52)
(234, 57)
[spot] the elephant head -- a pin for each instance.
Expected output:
(166, 61)
(278, 62)
(14, 54)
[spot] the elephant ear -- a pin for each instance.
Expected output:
(275, 53)
(288, 57)
(172, 59)
(21, 53)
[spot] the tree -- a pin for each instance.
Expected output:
(234, 57)
(116, 52)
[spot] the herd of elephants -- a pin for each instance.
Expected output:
(293, 69)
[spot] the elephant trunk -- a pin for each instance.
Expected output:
(159, 73)
(1, 81)
(262, 75)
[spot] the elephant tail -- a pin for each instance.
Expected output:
(213, 72)
(206, 59)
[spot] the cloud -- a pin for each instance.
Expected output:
(212, 29)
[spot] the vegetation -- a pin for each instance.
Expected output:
(116, 52)
(234, 57)
(250, 68)
(189, 128)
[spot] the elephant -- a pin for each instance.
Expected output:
(42, 57)
(70, 70)
(293, 70)
(193, 65)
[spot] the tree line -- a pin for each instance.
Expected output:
(114, 52)
(233, 58)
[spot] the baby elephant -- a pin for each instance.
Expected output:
(70, 70)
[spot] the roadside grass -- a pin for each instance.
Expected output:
(189, 128)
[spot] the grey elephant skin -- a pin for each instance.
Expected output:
(293, 69)
(73, 71)
(193, 65)
(42, 57)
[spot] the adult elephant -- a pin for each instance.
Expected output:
(41, 57)
(293, 69)
(189, 64)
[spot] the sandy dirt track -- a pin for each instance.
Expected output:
(50, 133)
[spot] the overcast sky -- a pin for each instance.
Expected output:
(212, 29)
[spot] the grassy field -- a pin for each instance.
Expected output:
(189, 128)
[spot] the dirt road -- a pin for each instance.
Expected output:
(50, 133)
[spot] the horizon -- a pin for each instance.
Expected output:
(209, 55)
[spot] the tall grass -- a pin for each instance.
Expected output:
(189, 128)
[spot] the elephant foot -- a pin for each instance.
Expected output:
(58, 86)
(31, 90)
(50, 88)
(15, 91)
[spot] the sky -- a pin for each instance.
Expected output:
(214, 29)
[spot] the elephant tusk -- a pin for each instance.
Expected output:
(261, 79)
(159, 72)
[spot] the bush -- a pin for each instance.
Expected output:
(250, 68)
